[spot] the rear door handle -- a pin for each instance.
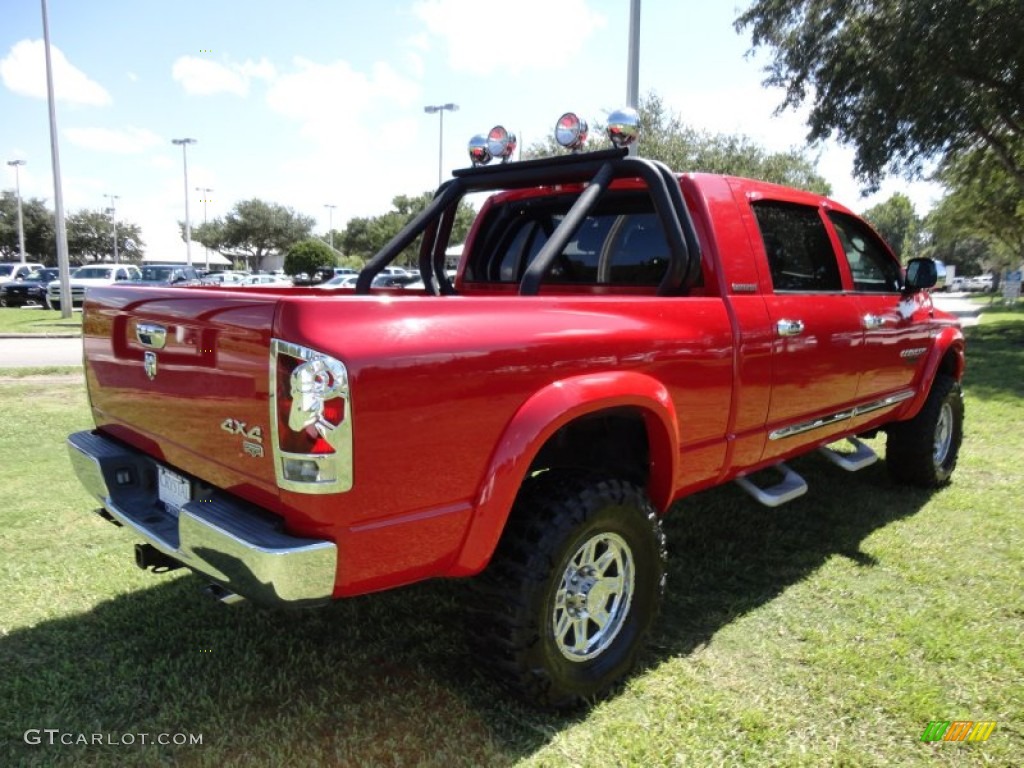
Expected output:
(789, 327)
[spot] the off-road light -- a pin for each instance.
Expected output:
(501, 143)
(623, 126)
(571, 131)
(479, 154)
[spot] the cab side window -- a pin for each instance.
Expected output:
(800, 253)
(873, 269)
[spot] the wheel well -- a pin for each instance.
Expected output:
(951, 364)
(613, 442)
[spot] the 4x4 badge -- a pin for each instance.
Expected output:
(149, 363)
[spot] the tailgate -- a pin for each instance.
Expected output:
(184, 375)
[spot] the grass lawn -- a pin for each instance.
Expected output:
(827, 632)
(38, 321)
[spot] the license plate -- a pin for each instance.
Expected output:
(174, 490)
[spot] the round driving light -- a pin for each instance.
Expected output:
(623, 126)
(571, 131)
(501, 143)
(479, 154)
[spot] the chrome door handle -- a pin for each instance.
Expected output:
(789, 327)
(151, 335)
(871, 322)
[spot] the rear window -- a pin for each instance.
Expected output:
(94, 273)
(621, 242)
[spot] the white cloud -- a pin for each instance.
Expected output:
(23, 71)
(203, 77)
(334, 101)
(557, 31)
(126, 141)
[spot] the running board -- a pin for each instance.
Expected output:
(861, 457)
(790, 487)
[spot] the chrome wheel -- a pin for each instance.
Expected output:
(594, 597)
(943, 434)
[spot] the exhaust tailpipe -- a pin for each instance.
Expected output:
(147, 556)
(222, 595)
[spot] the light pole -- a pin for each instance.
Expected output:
(113, 219)
(17, 189)
(440, 109)
(330, 223)
(188, 224)
(206, 198)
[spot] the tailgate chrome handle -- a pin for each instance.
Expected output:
(789, 327)
(871, 322)
(151, 335)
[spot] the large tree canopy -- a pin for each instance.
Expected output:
(37, 221)
(253, 229)
(665, 137)
(898, 223)
(904, 82)
(91, 238)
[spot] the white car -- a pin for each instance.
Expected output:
(269, 281)
(90, 276)
(15, 270)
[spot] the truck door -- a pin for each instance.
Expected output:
(894, 345)
(817, 327)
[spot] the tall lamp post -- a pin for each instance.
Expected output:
(112, 210)
(206, 198)
(330, 223)
(188, 224)
(17, 189)
(440, 109)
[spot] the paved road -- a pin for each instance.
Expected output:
(40, 351)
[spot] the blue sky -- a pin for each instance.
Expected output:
(315, 102)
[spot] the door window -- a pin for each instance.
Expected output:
(873, 269)
(800, 253)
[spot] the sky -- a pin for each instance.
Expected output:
(316, 103)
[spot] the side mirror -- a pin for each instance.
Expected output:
(921, 274)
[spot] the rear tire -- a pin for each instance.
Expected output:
(565, 606)
(924, 450)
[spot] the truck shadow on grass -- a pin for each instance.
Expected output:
(386, 679)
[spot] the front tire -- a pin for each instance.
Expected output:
(924, 450)
(567, 602)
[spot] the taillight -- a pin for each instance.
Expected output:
(311, 419)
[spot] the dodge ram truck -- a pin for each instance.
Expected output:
(617, 336)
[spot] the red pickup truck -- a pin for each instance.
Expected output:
(617, 336)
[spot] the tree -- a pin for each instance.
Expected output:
(308, 256)
(252, 230)
(91, 237)
(38, 226)
(902, 81)
(363, 237)
(898, 224)
(665, 137)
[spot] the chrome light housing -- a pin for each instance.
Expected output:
(479, 154)
(571, 131)
(623, 126)
(501, 143)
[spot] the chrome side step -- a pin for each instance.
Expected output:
(790, 487)
(861, 457)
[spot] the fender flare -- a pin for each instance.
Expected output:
(537, 420)
(950, 338)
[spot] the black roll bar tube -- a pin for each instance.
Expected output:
(447, 193)
(534, 275)
(685, 220)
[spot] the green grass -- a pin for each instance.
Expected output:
(35, 320)
(827, 632)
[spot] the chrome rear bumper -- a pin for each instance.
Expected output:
(231, 542)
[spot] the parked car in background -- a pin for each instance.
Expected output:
(31, 290)
(265, 280)
(341, 281)
(84, 278)
(166, 274)
(15, 270)
(225, 277)
(982, 283)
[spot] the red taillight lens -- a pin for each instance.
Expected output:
(322, 409)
